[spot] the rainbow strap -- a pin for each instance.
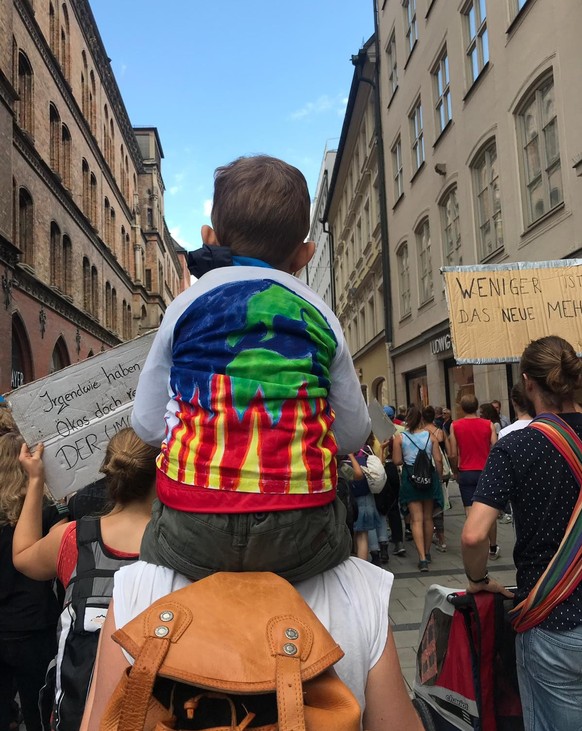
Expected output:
(564, 572)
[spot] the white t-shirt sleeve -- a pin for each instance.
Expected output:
(153, 394)
(352, 423)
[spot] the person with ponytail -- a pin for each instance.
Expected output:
(84, 555)
(539, 468)
(418, 502)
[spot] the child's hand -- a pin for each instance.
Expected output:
(32, 461)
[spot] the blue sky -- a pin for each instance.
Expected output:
(223, 78)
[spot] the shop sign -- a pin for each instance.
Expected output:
(440, 345)
(75, 412)
(495, 311)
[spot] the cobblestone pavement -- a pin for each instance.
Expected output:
(446, 569)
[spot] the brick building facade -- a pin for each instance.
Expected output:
(86, 258)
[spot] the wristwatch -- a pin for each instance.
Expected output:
(484, 580)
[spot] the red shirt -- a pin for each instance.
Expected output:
(473, 442)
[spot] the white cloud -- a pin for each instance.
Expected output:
(324, 104)
(207, 207)
(175, 233)
(174, 189)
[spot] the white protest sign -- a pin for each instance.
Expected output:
(77, 410)
(382, 426)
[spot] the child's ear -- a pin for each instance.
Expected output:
(209, 236)
(302, 256)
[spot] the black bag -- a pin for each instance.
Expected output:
(422, 469)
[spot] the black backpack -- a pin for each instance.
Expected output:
(422, 469)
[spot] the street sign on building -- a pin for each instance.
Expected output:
(77, 410)
(495, 311)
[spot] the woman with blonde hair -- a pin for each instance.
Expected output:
(84, 555)
(29, 609)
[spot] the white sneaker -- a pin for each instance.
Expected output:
(494, 555)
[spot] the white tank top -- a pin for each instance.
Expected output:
(351, 601)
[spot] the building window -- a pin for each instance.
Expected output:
(517, 6)
(404, 280)
(477, 49)
(114, 310)
(85, 87)
(86, 285)
(65, 48)
(25, 104)
(86, 188)
(66, 156)
(55, 138)
(541, 151)
(26, 226)
(92, 102)
(107, 305)
(397, 169)
(489, 216)
(452, 230)
(94, 292)
(67, 272)
(417, 136)
(93, 199)
(107, 222)
(425, 261)
(60, 356)
(53, 31)
(444, 112)
(55, 256)
(411, 30)
(392, 64)
(126, 252)
(148, 279)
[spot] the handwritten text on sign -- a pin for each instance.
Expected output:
(77, 410)
(495, 311)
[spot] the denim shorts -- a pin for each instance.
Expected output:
(296, 544)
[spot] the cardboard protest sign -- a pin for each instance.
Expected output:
(495, 311)
(77, 410)
(382, 426)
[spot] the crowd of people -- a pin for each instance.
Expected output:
(252, 451)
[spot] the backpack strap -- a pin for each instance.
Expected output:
(564, 572)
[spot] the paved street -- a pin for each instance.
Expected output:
(407, 599)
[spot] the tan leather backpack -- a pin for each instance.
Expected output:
(236, 640)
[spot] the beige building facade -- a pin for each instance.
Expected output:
(86, 260)
(353, 213)
(481, 116)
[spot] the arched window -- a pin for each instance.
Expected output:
(122, 170)
(86, 189)
(55, 138)
(540, 146)
(85, 87)
(112, 231)
(66, 156)
(404, 279)
(112, 146)
(126, 191)
(94, 292)
(22, 370)
(25, 105)
(60, 356)
(93, 199)
(26, 226)
(123, 320)
(55, 255)
(114, 320)
(53, 31)
(86, 285)
(67, 275)
(449, 206)
(106, 139)
(65, 49)
(424, 261)
(108, 321)
(92, 102)
(126, 253)
(107, 222)
(488, 200)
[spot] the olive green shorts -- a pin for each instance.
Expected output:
(296, 544)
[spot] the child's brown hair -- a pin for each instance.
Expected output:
(261, 208)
